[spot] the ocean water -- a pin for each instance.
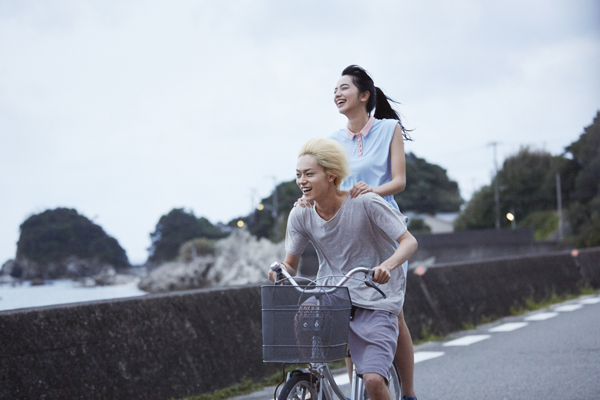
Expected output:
(61, 292)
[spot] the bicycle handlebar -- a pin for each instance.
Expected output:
(282, 275)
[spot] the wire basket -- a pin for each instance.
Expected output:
(300, 327)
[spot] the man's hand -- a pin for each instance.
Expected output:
(273, 275)
(381, 274)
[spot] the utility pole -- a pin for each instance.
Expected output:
(274, 209)
(496, 188)
(559, 203)
(253, 193)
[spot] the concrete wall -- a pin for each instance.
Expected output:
(154, 347)
(480, 245)
(179, 344)
(463, 247)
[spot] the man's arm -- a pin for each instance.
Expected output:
(290, 264)
(407, 245)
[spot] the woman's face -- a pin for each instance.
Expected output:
(346, 96)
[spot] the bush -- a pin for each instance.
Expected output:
(195, 248)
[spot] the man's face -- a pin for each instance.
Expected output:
(312, 179)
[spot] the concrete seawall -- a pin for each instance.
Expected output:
(179, 344)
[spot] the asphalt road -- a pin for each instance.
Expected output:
(546, 354)
(553, 353)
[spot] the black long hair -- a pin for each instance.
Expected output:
(377, 100)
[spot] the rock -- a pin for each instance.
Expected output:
(240, 259)
(178, 276)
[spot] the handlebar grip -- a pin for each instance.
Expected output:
(277, 268)
(369, 282)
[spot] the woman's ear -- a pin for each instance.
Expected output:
(331, 178)
(364, 96)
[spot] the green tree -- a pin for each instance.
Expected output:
(176, 228)
(261, 222)
(54, 235)
(428, 188)
(528, 189)
(527, 185)
(584, 190)
(479, 212)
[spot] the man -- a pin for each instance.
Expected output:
(347, 233)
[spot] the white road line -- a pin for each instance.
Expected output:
(467, 340)
(508, 327)
(592, 300)
(342, 379)
(541, 316)
(568, 308)
(427, 355)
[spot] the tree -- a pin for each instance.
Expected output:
(527, 185)
(54, 235)
(479, 213)
(261, 222)
(584, 197)
(528, 189)
(176, 228)
(428, 188)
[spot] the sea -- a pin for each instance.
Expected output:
(61, 291)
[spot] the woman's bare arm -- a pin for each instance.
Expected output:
(398, 166)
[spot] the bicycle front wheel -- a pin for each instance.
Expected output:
(394, 384)
(299, 387)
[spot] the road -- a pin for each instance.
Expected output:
(550, 353)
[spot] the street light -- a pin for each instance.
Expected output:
(511, 218)
(261, 207)
(240, 223)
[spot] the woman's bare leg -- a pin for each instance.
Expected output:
(404, 358)
(349, 368)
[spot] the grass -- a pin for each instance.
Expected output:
(530, 304)
(427, 336)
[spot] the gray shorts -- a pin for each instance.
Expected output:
(372, 341)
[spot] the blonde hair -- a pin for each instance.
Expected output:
(330, 155)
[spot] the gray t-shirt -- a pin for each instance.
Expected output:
(363, 233)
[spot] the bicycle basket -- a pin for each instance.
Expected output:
(300, 327)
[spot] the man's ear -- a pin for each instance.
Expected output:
(331, 178)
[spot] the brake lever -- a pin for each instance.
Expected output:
(369, 282)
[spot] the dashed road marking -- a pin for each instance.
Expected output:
(467, 340)
(568, 308)
(593, 300)
(541, 316)
(427, 355)
(508, 327)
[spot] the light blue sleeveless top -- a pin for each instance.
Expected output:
(374, 166)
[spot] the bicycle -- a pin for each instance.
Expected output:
(317, 319)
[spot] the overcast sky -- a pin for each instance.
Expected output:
(126, 109)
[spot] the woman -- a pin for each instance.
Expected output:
(375, 144)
